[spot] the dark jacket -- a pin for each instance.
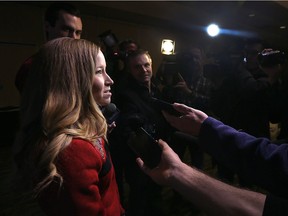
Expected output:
(137, 109)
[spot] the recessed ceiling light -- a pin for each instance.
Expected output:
(213, 30)
(282, 27)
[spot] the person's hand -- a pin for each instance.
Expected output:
(189, 122)
(181, 85)
(163, 172)
(111, 126)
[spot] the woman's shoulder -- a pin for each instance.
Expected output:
(79, 143)
(81, 149)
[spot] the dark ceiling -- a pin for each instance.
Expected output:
(256, 18)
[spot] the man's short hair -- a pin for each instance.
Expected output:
(52, 12)
(136, 53)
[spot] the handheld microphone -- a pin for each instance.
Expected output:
(110, 112)
(135, 121)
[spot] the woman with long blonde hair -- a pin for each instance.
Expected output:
(61, 148)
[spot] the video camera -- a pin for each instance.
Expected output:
(169, 71)
(270, 58)
(110, 41)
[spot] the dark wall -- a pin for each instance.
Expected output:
(22, 35)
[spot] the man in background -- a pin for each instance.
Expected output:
(62, 19)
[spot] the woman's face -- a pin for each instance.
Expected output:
(101, 85)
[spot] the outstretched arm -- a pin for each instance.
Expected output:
(255, 159)
(209, 194)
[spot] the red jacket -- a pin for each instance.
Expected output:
(89, 186)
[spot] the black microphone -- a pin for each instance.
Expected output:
(135, 121)
(109, 109)
(110, 112)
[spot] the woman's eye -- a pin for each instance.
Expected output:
(99, 71)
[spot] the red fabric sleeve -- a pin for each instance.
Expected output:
(80, 164)
(89, 185)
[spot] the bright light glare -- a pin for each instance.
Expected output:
(168, 47)
(213, 30)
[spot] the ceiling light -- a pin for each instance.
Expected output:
(213, 30)
(167, 47)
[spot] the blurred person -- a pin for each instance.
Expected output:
(191, 67)
(137, 109)
(249, 101)
(116, 68)
(252, 48)
(128, 45)
(116, 55)
(61, 151)
(118, 64)
(257, 158)
(250, 112)
(275, 129)
(170, 81)
(62, 19)
(188, 85)
(125, 48)
(274, 64)
(183, 80)
(221, 72)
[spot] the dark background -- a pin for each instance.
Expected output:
(147, 22)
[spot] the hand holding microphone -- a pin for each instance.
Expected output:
(111, 113)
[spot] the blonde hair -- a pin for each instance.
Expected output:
(57, 105)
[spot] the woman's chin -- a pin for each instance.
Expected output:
(105, 102)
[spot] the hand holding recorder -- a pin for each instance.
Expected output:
(163, 105)
(145, 147)
(169, 162)
(189, 121)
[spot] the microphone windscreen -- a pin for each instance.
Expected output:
(109, 109)
(110, 112)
